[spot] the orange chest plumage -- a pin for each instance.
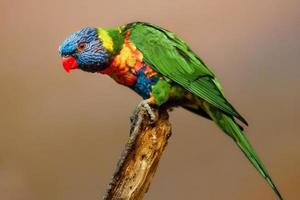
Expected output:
(126, 64)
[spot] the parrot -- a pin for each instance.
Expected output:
(161, 68)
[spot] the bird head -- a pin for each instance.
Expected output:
(84, 50)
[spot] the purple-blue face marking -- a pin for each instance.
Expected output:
(87, 49)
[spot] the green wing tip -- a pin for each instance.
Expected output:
(242, 119)
(239, 117)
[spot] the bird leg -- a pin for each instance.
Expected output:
(144, 105)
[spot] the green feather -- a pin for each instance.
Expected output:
(160, 91)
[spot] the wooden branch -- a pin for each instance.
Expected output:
(140, 157)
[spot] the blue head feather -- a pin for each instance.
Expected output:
(93, 57)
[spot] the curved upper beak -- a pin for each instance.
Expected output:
(69, 63)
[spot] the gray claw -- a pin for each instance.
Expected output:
(143, 105)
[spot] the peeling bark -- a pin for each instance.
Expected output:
(141, 156)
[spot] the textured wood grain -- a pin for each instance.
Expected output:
(140, 157)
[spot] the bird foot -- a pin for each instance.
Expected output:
(144, 105)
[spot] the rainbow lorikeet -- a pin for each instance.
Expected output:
(161, 68)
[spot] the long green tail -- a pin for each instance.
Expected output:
(227, 124)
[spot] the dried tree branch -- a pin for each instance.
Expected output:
(140, 157)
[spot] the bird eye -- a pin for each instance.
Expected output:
(81, 46)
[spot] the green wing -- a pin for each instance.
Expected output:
(171, 57)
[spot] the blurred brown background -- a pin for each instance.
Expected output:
(61, 135)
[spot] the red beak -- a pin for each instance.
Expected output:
(69, 63)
